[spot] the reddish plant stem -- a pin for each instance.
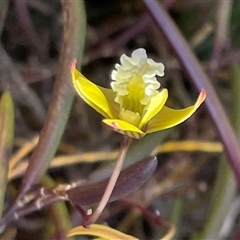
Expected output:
(156, 218)
(111, 184)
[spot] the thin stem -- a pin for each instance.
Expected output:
(111, 184)
(156, 218)
(36, 206)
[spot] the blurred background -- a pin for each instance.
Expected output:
(190, 156)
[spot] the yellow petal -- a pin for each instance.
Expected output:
(92, 94)
(100, 231)
(156, 104)
(110, 96)
(168, 117)
(124, 128)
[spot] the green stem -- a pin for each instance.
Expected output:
(176, 213)
(223, 193)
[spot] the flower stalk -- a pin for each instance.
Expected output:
(111, 184)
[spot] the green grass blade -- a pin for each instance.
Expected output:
(6, 141)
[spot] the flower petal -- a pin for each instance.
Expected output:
(110, 96)
(156, 104)
(92, 94)
(74, 72)
(168, 117)
(125, 128)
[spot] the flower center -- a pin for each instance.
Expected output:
(135, 83)
(129, 116)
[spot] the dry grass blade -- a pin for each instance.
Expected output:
(170, 234)
(92, 157)
(22, 152)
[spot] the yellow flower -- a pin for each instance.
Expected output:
(133, 105)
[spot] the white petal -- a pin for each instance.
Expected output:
(139, 54)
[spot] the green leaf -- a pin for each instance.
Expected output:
(6, 141)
